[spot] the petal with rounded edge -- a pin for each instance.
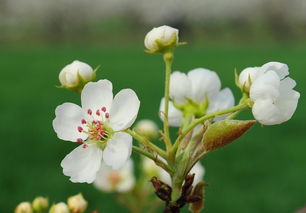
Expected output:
(265, 86)
(82, 164)
(180, 87)
(205, 83)
(265, 112)
(118, 150)
(223, 100)
(124, 110)
(68, 118)
(281, 69)
(96, 95)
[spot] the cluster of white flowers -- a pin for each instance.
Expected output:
(272, 92)
(100, 124)
(199, 92)
(98, 127)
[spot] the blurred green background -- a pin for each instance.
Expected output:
(264, 171)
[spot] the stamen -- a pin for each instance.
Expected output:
(84, 146)
(80, 129)
(98, 112)
(103, 109)
(89, 111)
(107, 115)
(83, 121)
(80, 140)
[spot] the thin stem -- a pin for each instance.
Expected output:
(145, 142)
(168, 58)
(153, 157)
(204, 118)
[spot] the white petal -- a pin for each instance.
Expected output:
(265, 86)
(204, 83)
(96, 95)
(180, 87)
(124, 110)
(175, 116)
(68, 118)
(84, 69)
(102, 181)
(82, 164)
(222, 100)
(288, 99)
(281, 69)
(118, 150)
(266, 112)
(128, 178)
(249, 73)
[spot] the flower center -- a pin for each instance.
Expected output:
(96, 128)
(114, 178)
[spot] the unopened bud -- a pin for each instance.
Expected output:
(75, 75)
(77, 203)
(161, 38)
(40, 204)
(59, 208)
(147, 128)
(247, 76)
(24, 207)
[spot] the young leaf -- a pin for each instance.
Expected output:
(224, 132)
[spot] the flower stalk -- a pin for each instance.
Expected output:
(168, 59)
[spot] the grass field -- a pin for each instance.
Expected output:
(264, 171)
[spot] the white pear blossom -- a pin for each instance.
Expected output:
(272, 92)
(164, 34)
(70, 75)
(97, 126)
(147, 128)
(198, 86)
(121, 180)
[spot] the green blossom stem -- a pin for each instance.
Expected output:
(145, 142)
(243, 105)
(168, 58)
(153, 157)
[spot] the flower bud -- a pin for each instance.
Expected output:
(147, 128)
(77, 203)
(247, 76)
(24, 207)
(161, 38)
(40, 204)
(59, 208)
(75, 75)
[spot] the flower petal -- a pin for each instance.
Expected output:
(205, 83)
(180, 87)
(266, 112)
(82, 164)
(265, 86)
(175, 116)
(118, 150)
(281, 69)
(96, 95)
(124, 110)
(222, 100)
(68, 118)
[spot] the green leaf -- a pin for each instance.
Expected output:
(224, 132)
